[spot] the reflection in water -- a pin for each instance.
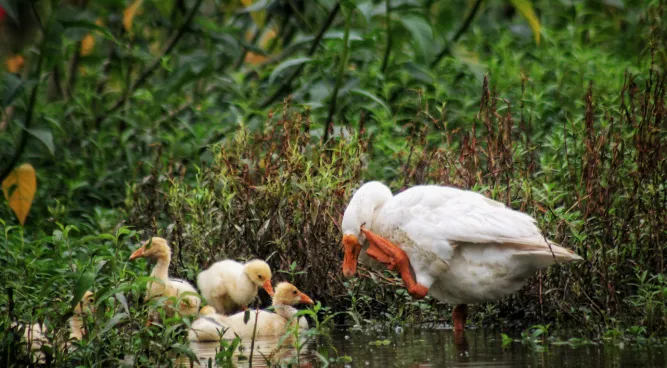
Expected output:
(267, 352)
(438, 348)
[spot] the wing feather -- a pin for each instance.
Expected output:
(437, 217)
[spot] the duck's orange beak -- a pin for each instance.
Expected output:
(305, 299)
(268, 287)
(352, 249)
(138, 253)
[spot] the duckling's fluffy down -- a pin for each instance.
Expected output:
(229, 286)
(189, 304)
(207, 328)
(213, 327)
(268, 324)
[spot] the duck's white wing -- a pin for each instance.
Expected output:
(437, 219)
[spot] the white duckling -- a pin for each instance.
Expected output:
(230, 286)
(208, 327)
(35, 335)
(212, 326)
(158, 249)
(456, 245)
(87, 305)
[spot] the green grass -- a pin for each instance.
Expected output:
(207, 152)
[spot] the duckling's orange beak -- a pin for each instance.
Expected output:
(305, 299)
(138, 253)
(352, 249)
(268, 287)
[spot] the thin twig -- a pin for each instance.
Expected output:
(253, 41)
(57, 82)
(106, 70)
(74, 64)
(339, 78)
(254, 333)
(459, 33)
(28, 120)
(153, 67)
(288, 82)
(387, 51)
(300, 15)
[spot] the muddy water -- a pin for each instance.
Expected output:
(438, 348)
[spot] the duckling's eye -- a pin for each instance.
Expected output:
(294, 292)
(91, 300)
(260, 277)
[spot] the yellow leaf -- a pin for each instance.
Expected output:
(526, 9)
(87, 45)
(258, 16)
(88, 42)
(266, 37)
(14, 63)
(253, 58)
(129, 13)
(19, 188)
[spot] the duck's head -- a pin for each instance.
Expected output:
(87, 304)
(155, 248)
(365, 202)
(206, 310)
(288, 294)
(259, 273)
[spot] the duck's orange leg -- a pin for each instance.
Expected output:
(395, 258)
(459, 315)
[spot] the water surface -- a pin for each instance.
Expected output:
(442, 348)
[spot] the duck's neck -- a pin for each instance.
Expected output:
(161, 269)
(285, 311)
(76, 327)
(244, 283)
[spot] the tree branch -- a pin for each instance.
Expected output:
(387, 51)
(459, 33)
(151, 69)
(339, 78)
(288, 83)
(23, 141)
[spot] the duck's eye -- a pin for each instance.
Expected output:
(91, 300)
(294, 292)
(260, 277)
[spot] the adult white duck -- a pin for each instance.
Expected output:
(456, 245)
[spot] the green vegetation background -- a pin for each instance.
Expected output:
(242, 132)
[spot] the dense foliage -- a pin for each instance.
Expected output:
(241, 131)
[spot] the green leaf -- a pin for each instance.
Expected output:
(287, 64)
(164, 6)
(184, 350)
(123, 302)
(88, 25)
(348, 4)
(13, 86)
(420, 29)
(83, 284)
(526, 9)
(338, 35)
(45, 137)
(256, 6)
(113, 322)
(246, 316)
(372, 97)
